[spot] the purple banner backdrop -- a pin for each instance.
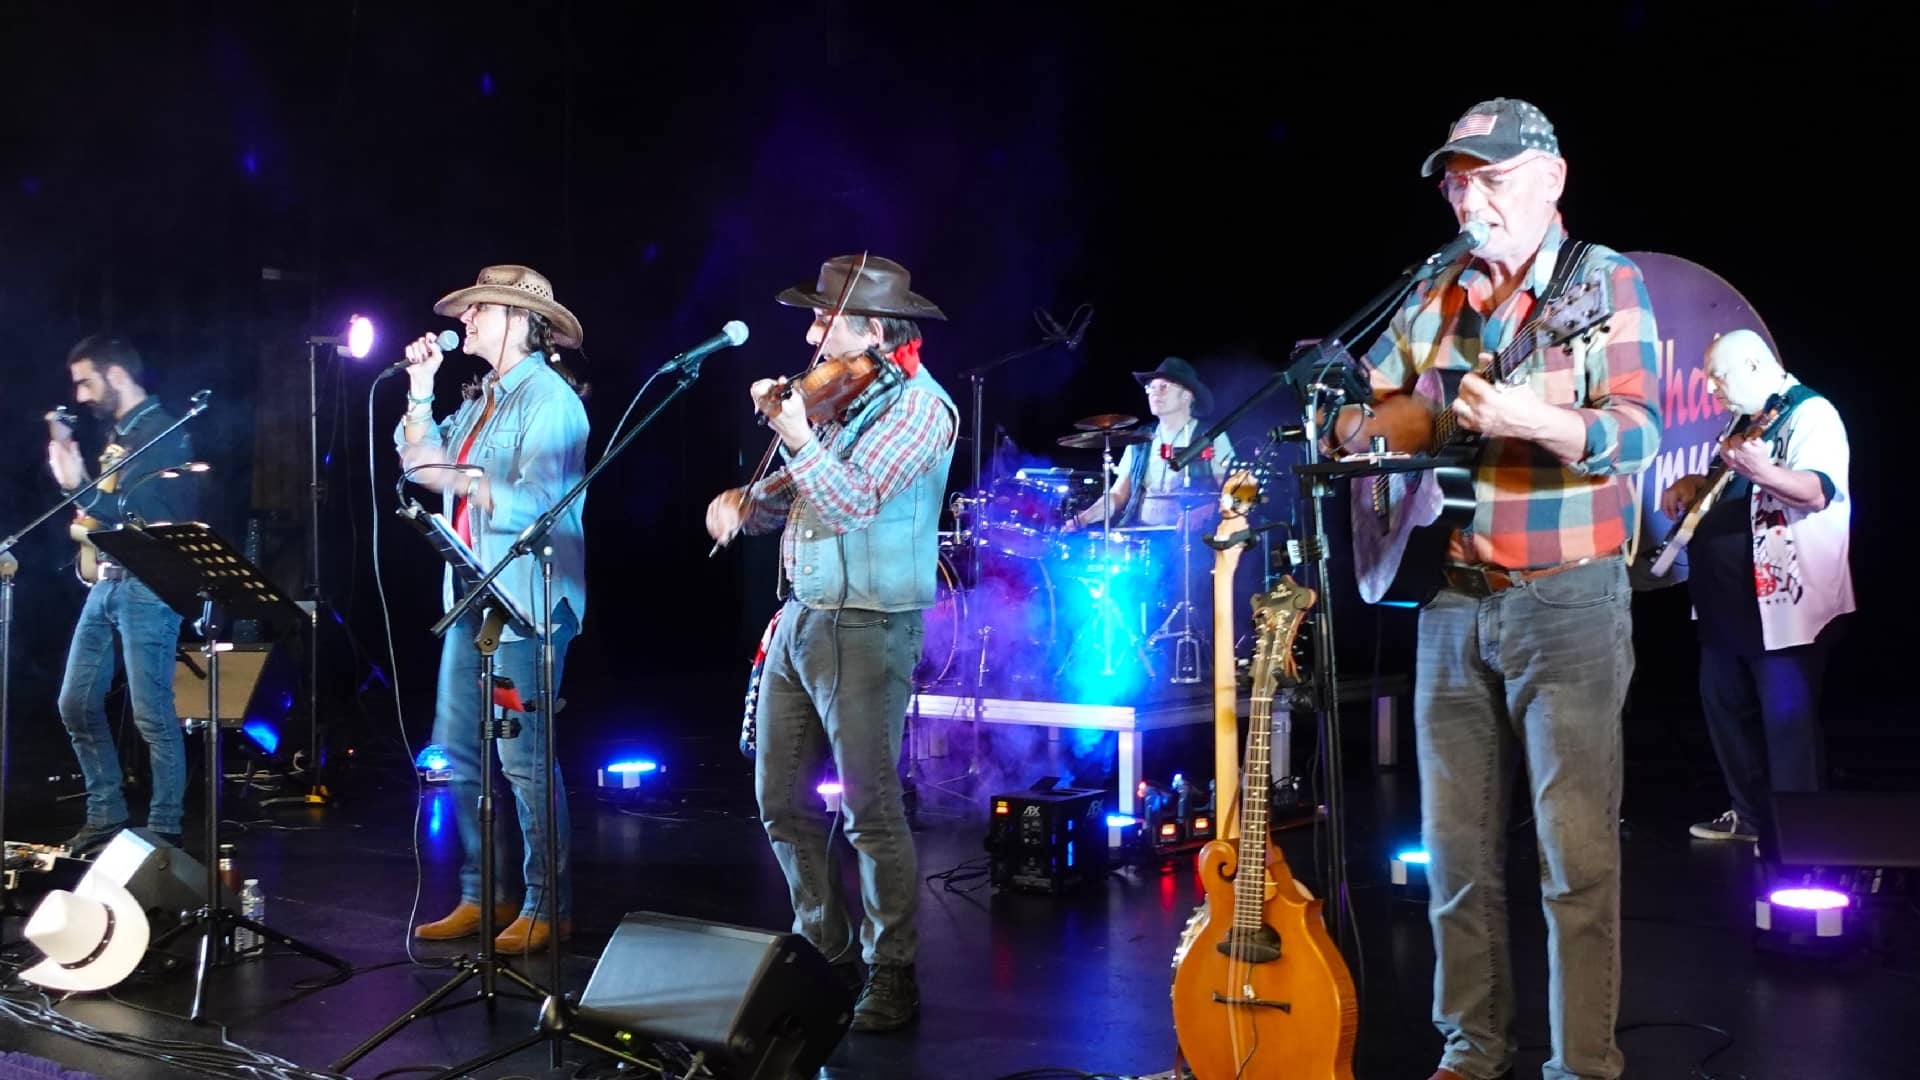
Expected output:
(1693, 305)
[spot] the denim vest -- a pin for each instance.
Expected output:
(894, 563)
(1202, 470)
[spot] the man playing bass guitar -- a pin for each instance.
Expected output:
(1528, 647)
(107, 376)
(1768, 573)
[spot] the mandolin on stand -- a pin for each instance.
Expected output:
(1259, 987)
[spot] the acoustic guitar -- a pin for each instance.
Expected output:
(1259, 988)
(86, 564)
(1403, 522)
(1718, 474)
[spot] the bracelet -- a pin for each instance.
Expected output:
(411, 399)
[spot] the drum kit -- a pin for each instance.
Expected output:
(1023, 598)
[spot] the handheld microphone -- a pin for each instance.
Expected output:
(734, 333)
(448, 341)
(1470, 236)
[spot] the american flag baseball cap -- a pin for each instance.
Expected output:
(1495, 131)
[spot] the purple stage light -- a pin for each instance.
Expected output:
(1808, 899)
(359, 337)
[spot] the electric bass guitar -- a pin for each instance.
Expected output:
(86, 564)
(1259, 988)
(1403, 522)
(1718, 475)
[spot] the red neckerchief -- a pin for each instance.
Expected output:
(908, 357)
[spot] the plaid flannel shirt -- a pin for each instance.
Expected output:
(1533, 509)
(846, 487)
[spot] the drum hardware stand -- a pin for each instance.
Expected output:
(1186, 644)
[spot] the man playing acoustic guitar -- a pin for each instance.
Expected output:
(1768, 573)
(1528, 646)
(106, 378)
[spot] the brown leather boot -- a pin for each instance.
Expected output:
(526, 935)
(462, 921)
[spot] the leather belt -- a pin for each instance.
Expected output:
(1484, 581)
(113, 572)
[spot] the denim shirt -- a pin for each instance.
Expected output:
(534, 450)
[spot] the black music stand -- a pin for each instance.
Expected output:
(497, 612)
(203, 577)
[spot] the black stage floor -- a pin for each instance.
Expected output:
(1012, 982)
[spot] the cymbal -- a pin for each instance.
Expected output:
(1186, 498)
(1094, 440)
(1106, 422)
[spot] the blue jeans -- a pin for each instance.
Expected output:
(149, 632)
(1541, 668)
(835, 688)
(456, 726)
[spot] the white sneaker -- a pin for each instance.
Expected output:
(1727, 826)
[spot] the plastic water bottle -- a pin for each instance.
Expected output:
(253, 905)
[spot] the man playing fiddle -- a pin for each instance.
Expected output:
(858, 502)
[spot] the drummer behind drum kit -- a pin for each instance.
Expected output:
(997, 623)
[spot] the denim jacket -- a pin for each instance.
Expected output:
(534, 450)
(893, 563)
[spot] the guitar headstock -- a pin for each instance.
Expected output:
(1582, 309)
(1238, 496)
(1278, 617)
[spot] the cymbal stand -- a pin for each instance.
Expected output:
(1106, 614)
(1186, 644)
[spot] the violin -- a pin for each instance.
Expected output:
(830, 385)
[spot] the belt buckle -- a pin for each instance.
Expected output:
(1471, 580)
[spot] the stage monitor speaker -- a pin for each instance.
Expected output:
(256, 681)
(169, 884)
(763, 1006)
(1848, 828)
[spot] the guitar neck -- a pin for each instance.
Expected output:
(1446, 425)
(1226, 712)
(1250, 880)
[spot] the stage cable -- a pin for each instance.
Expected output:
(393, 681)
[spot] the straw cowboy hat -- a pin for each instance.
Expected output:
(93, 937)
(1175, 370)
(516, 286)
(881, 290)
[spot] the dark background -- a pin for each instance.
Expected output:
(1215, 185)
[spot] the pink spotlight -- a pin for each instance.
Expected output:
(359, 337)
(1808, 899)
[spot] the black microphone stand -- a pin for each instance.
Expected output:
(556, 1012)
(1325, 376)
(9, 565)
(977, 496)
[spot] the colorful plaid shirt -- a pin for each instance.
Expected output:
(847, 488)
(1534, 510)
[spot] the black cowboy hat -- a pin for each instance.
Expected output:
(1175, 370)
(881, 290)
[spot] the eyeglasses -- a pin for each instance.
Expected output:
(1490, 180)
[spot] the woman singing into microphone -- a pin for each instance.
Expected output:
(524, 428)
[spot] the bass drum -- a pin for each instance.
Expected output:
(1011, 609)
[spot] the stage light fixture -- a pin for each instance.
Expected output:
(433, 764)
(1806, 921)
(631, 774)
(1407, 871)
(830, 792)
(264, 735)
